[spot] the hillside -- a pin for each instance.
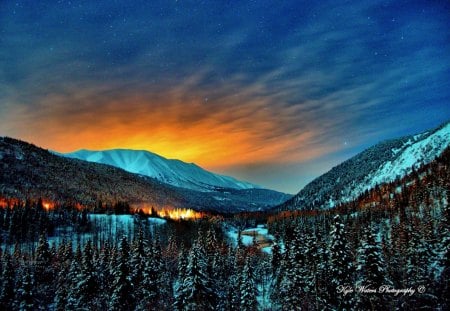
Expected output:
(27, 171)
(381, 163)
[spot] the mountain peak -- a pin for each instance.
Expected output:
(381, 163)
(171, 171)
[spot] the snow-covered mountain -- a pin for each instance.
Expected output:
(379, 164)
(30, 172)
(173, 172)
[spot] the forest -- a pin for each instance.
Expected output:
(386, 250)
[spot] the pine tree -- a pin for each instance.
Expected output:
(159, 278)
(138, 271)
(122, 295)
(372, 273)
(196, 286)
(44, 276)
(234, 295)
(104, 274)
(444, 278)
(311, 270)
(26, 298)
(276, 257)
(248, 288)
(67, 296)
(153, 285)
(87, 285)
(180, 291)
(341, 266)
(62, 290)
(295, 283)
(8, 284)
(418, 258)
(278, 275)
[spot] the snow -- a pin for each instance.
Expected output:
(108, 226)
(121, 221)
(422, 149)
(157, 221)
(173, 172)
(264, 239)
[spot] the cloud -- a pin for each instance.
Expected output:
(228, 86)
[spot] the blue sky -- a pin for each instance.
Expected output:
(272, 92)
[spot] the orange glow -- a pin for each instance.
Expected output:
(179, 213)
(177, 124)
(48, 205)
(4, 202)
(168, 212)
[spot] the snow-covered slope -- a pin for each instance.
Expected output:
(379, 164)
(173, 172)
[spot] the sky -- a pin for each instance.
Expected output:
(272, 92)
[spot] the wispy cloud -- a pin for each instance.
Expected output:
(232, 86)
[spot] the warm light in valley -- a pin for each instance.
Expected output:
(179, 213)
(168, 212)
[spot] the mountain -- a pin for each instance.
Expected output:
(379, 164)
(27, 171)
(173, 172)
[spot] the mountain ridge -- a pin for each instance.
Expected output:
(171, 171)
(381, 163)
(30, 172)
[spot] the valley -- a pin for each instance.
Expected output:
(98, 229)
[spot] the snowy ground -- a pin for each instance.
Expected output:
(260, 234)
(115, 226)
(108, 226)
(120, 220)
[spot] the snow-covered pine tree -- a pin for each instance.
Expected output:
(180, 291)
(294, 285)
(276, 258)
(65, 255)
(122, 288)
(197, 284)
(234, 294)
(221, 274)
(341, 266)
(44, 275)
(323, 289)
(154, 279)
(277, 278)
(418, 257)
(26, 296)
(67, 298)
(248, 288)
(444, 278)
(87, 285)
(8, 283)
(161, 287)
(399, 248)
(229, 286)
(104, 273)
(372, 272)
(137, 265)
(312, 269)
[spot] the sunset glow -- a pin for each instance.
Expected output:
(273, 95)
(210, 137)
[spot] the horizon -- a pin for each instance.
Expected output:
(273, 95)
(447, 122)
